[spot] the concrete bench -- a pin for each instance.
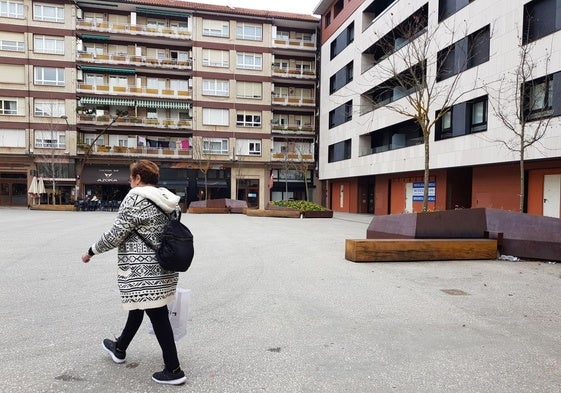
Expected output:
(386, 250)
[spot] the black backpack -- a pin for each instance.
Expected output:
(176, 251)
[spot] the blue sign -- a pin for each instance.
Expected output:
(418, 188)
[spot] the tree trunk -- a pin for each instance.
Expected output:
(426, 136)
(522, 193)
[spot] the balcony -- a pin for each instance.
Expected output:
(278, 156)
(136, 122)
(126, 28)
(137, 151)
(292, 43)
(293, 129)
(125, 59)
(293, 101)
(294, 73)
(133, 90)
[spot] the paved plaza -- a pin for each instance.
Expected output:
(276, 308)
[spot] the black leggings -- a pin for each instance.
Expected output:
(162, 328)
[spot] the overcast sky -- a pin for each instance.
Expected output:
(297, 6)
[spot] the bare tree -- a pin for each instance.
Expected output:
(52, 136)
(202, 159)
(522, 102)
(422, 65)
(299, 164)
(89, 150)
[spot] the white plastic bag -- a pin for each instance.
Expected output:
(178, 313)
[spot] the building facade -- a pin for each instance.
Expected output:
(372, 151)
(223, 99)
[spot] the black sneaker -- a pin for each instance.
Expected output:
(167, 377)
(117, 355)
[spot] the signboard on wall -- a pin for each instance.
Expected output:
(106, 175)
(418, 188)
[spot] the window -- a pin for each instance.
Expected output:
(45, 44)
(155, 83)
(541, 19)
(248, 119)
(466, 53)
(49, 108)
(216, 28)
(215, 87)
(282, 35)
(94, 79)
(327, 19)
(252, 90)
(16, 46)
(478, 115)
(341, 78)
(249, 61)
(215, 117)
(48, 13)
(341, 114)
(216, 58)
(339, 151)
(343, 40)
(50, 139)
(338, 7)
(8, 107)
(12, 138)
(49, 76)
(447, 8)
(463, 118)
(11, 9)
(254, 148)
(443, 127)
(248, 31)
(215, 146)
(179, 84)
(538, 98)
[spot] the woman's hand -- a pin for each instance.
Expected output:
(86, 258)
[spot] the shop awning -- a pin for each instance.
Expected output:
(106, 101)
(96, 37)
(111, 70)
(154, 11)
(163, 104)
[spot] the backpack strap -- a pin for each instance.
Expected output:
(149, 244)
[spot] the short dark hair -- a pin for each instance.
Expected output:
(149, 172)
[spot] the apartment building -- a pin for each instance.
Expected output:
(372, 151)
(222, 98)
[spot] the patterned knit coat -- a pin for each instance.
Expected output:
(142, 282)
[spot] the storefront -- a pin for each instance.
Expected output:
(106, 182)
(13, 189)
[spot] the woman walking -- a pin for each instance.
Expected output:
(144, 286)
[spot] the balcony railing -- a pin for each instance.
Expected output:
(126, 28)
(117, 58)
(294, 73)
(293, 43)
(292, 129)
(133, 90)
(277, 156)
(293, 101)
(137, 121)
(137, 151)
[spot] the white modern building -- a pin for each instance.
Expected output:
(371, 152)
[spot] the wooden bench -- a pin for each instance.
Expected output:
(385, 250)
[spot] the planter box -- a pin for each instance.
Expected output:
(519, 234)
(318, 214)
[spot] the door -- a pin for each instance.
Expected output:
(552, 195)
(408, 198)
